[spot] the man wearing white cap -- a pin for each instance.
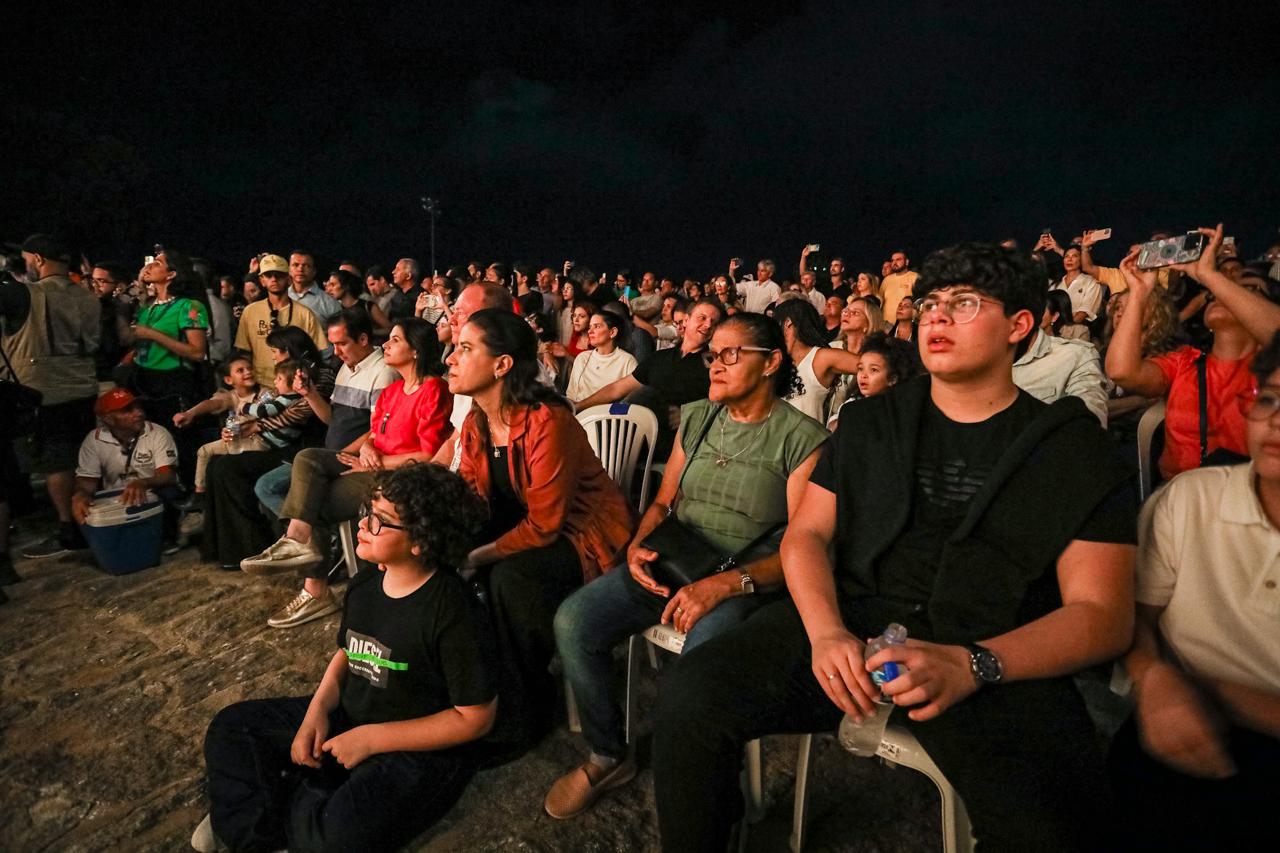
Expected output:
(259, 318)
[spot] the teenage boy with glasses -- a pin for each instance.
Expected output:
(997, 528)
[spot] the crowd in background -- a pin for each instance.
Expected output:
(266, 408)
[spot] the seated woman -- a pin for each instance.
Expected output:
(556, 518)
(234, 525)
(739, 465)
(605, 362)
(345, 287)
(817, 364)
(904, 320)
(1161, 333)
(386, 744)
(409, 422)
(1242, 317)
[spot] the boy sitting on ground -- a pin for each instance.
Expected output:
(387, 743)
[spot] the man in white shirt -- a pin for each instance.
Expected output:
(1198, 765)
(303, 287)
(809, 290)
(764, 291)
(1054, 367)
(128, 452)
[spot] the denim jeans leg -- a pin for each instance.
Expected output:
(588, 625)
(727, 614)
(273, 486)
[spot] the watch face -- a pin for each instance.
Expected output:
(986, 666)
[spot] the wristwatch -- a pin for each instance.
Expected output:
(984, 665)
(747, 584)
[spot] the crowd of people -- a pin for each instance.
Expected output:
(948, 448)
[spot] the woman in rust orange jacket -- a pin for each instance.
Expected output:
(556, 518)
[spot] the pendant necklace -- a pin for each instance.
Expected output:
(721, 459)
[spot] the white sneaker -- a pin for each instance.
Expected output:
(302, 609)
(282, 555)
(192, 523)
(203, 838)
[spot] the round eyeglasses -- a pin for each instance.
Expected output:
(960, 309)
(1260, 405)
(728, 355)
(374, 522)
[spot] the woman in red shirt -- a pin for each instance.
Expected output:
(410, 421)
(556, 518)
(1241, 316)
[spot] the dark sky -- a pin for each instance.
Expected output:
(638, 134)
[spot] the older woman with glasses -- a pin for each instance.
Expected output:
(1242, 316)
(739, 465)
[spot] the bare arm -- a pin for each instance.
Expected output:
(838, 664)
(1247, 706)
(193, 348)
(831, 361)
(1259, 315)
(611, 393)
(1125, 364)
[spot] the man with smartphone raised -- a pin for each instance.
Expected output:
(932, 507)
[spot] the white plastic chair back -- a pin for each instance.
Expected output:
(1151, 421)
(617, 433)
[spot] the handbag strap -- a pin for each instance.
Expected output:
(1202, 380)
(706, 428)
(733, 560)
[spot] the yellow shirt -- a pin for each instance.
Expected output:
(1114, 280)
(894, 287)
(255, 325)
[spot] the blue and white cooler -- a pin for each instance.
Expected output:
(124, 539)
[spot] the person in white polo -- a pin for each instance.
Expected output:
(126, 452)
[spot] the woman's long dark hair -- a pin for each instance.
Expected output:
(1059, 302)
(504, 333)
(765, 332)
(422, 339)
(805, 319)
(295, 342)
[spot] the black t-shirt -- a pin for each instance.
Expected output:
(403, 303)
(505, 508)
(677, 379)
(952, 463)
(413, 656)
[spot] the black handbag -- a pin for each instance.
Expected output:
(20, 405)
(684, 555)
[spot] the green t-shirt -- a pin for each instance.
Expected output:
(171, 319)
(732, 504)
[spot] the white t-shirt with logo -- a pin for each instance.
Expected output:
(103, 457)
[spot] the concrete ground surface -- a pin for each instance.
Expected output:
(107, 684)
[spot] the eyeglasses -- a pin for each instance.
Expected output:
(960, 309)
(728, 355)
(1260, 404)
(374, 523)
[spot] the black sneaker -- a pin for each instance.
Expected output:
(193, 503)
(50, 546)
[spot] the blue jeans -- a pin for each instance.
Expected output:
(604, 613)
(273, 486)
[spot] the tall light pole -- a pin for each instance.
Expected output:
(431, 205)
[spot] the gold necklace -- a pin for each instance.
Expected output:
(722, 460)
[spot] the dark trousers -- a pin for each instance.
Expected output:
(1022, 756)
(525, 589)
(234, 525)
(260, 800)
(1166, 809)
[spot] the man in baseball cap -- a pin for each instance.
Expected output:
(126, 452)
(259, 318)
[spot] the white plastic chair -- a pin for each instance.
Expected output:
(671, 640)
(899, 747)
(617, 433)
(1150, 421)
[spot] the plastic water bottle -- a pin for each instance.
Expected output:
(863, 739)
(233, 426)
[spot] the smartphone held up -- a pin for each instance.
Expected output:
(1171, 250)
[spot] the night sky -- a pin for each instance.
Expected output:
(636, 134)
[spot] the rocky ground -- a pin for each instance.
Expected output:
(107, 684)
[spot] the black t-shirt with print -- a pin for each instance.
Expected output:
(952, 463)
(413, 656)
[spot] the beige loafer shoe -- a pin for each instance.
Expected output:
(573, 793)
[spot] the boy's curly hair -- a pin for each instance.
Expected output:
(442, 513)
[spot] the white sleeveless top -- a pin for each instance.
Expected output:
(812, 395)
